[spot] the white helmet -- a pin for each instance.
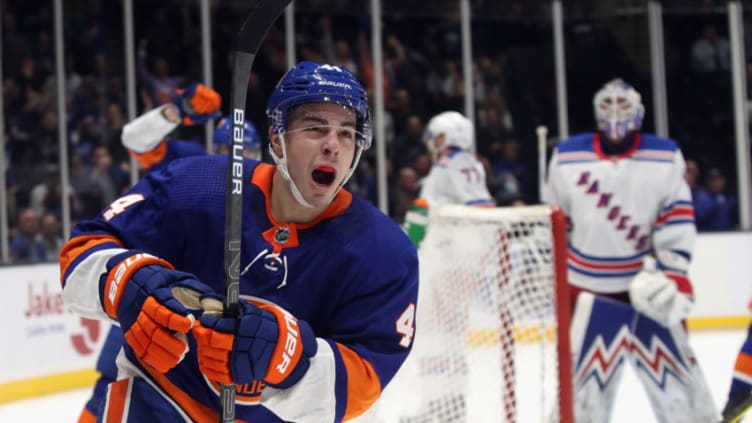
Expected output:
(457, 130)
(618, 109)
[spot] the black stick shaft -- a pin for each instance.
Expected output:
(249, 40)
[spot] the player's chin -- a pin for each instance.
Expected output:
(321, 195)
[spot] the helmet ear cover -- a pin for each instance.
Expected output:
(618, 109)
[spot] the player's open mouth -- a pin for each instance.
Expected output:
(324, 175)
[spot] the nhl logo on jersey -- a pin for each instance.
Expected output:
(282, 235)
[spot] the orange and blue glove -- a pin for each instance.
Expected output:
(139, 291)
(263, 342)
(197, 104)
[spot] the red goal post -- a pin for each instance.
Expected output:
(492, 326)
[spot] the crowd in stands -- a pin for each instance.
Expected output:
(513, 85)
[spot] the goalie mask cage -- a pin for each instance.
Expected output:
(492, 326)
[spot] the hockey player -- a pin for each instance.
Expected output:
(456, 176)
(739, 399)
(328, 284)
(630, 244)
(147, 139)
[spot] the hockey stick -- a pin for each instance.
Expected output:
(736, 413)
(248, 41)
(541, 133)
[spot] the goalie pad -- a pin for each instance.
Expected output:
(665, 364)
(600, 342)
(659, 297)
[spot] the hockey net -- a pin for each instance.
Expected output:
(492, 341)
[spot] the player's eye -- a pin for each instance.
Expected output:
(346, 134)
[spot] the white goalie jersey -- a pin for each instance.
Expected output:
(621, 208)
(457, 178)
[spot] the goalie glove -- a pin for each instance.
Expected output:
(142, 293)
(197, 104)
(659, 296)
(263, 342)
(416, 220)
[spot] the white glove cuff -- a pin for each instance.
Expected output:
(146, 131)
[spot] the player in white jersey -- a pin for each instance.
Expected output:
(631, 236)
(456, 176)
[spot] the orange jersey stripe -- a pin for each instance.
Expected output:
(86, 417)
(196, 411)
(117, 396)
(743, 364)
(151, 157)
(363, 385)
(78, 245)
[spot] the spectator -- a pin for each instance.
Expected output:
(86, 189)
(405, 193)
(720, 207)
(51, 236)
(711, 52)
(45, 197)
(422, 164)
(110, 179)
(25, 246)
(509, 174)
(337, 52)
(161, 82)
(408, 145)
(113, 130)
(692, 176)
(495, 124)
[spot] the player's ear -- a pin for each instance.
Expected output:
(274, 142)
(439, 141)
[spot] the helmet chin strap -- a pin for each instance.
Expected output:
(281, 163)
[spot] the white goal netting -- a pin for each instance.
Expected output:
(492, 325)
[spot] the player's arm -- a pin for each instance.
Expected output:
(107, 274)
(460, 182)
(146, 136)
(330, 376)
(665, 292)
(552, 188)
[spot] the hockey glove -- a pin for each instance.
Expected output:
(262, 343)
(197, 104)
(138, 291)
(657, 296)
(415, 221)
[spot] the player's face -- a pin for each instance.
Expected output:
(321, 142)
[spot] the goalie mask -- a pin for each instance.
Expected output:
(449, 129)
(618, 109)
(309, 82)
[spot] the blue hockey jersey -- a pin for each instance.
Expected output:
(352, 274)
